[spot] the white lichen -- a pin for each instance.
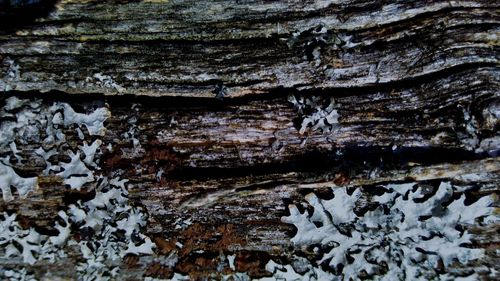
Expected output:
(104, 81)
(75, 173)
(115, 230)
(9, 178)
(23, 124)
(315, 114)
(13, 103)
(132, 134)
(489, 145)
(28, 244)
(407, 236)
(12, 74)
(176, 277)
(470, 139)
(289, 272)
(90, 152)
(12, 233)
(109, 226)
(94, 122)
(17, 275)
(30, 122)
(491, 115)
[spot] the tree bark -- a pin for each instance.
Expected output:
(224, 117)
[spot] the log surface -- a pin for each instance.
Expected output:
(222, 115)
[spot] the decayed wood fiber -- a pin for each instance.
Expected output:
(187, 48)
(404, 77)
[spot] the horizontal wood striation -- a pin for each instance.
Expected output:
(204, 127)
(231, 168)
(188, 48)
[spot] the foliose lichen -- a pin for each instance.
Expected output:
(107, 225)
(409, 235)
(315, 114)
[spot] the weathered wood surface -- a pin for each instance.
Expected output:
(234, 209)
(414, 88)
(188, 47)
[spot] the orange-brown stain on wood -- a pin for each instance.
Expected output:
(165, 246)
(158, 270)
(253, 263)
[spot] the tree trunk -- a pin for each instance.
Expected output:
(236, 140)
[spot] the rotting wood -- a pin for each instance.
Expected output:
(187, 48)
(412, 88)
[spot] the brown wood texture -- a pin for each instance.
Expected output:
(208, 103)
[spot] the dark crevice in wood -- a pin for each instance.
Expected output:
(179, 102)
(415, 93)
(15, 14)
(352, 158)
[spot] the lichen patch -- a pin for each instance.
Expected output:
(314, 114)
(103, 227)
(412, 233)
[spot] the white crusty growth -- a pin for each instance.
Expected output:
(13, 73)
(405, 237)
(31, 119)
(93, 121)
(314, 114)
(18, 275)
(115, 224)
(31, 246)
(11, 232)
(90, 152)
(9, 178)
(116, 229)
(75, 173)
(105, 81)
(288, 272)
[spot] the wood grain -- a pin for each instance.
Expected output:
(415, 85)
